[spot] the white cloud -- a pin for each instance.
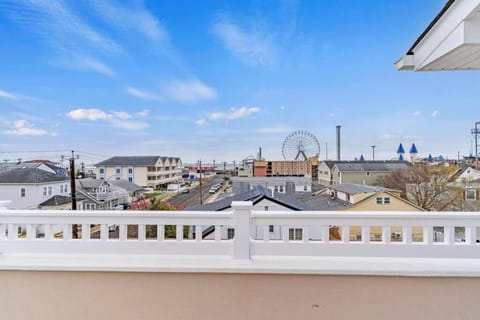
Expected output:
(189, 91)
(119, 119)
(141, 94)
(201, 122)
(331, 115)
(434, 113)
(88, 114)
(252, 46)
(135, 17)
(87, 63)
(417, 114)
(233, 114)
(143, 113)
(122, 115)
(57, 24)
(25, 128)
(282, 108)
(7, 95)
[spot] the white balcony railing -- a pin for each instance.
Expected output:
(252, 233)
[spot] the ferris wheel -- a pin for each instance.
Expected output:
(300, 145)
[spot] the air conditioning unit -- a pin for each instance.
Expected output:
(396, 235)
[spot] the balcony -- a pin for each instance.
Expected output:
(313, 274)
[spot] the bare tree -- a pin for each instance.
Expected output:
(428, 187)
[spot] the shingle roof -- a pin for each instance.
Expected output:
(413, 148)
(29, 175)
(372, 166)
(89, 183)
(351, 188)
(57, 200)
(134, 161)
(256, 194)
(322, 202)
(400, 149)
(126, 185)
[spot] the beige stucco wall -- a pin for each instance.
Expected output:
(375, 178)
(140, 176)
(94, 295)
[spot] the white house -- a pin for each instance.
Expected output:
(29, 185)
(450, 42)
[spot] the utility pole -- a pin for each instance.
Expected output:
(476, 132)
(224, 167)
(213, 165)
(326, 150)
(373, 152)
(201, 182)
(73, 193)
(234, 168)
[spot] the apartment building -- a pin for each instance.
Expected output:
(145, 171)
(284, 168)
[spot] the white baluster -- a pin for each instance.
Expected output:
(85, 232)
(365, 234)
(198, 233)
(285, 233)
(325, 234)
(266, 233)
(449, 235)
(104, 232)
(427, 234)
(160, 232)
(48, 231)
(30, 232)
(407, 235)
(306, 234)
(67, 232)
(141, 232)
(471, 235)
(179, 232)
(387, 234)
(2, 232)
(345, 234)
(122, 230)
(218, 233)
(12, 231)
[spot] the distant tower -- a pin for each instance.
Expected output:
(400, 152)
(362, 158)
(413, 152)
(430, 158)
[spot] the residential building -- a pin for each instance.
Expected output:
(59, 202)
(286, 168)
(101, 194)
(59, 170)
(364, 172)
(28, 185)
(288, 185)
(325, 175)
(145, 171)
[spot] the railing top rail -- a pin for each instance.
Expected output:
(365, 214)
(114, 213)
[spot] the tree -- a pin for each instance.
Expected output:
(427, 186)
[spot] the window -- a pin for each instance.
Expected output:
(379, 200)
(22, 192)
(367, 173)
(49, 191)
(281, 188)
(102, 171)
(305, 188)
(276, 188)
(266, 208)
(117, 170)
(295, 234)
(130, 170)
(65, 188)
(470, 194)
(230, 233)
(130, 179)
(44, 191)
(386, 200)
(271, 228)
(61, 188)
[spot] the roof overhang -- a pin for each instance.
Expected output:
(450, 42)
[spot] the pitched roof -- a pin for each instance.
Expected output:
(126, 185)
(134, 161)
(413, 148)
(29, 175)
(372, 166)
(322, 201)
(393, 195)
(89, 183)
(255, 195)
(57, 200)
(352, 189)
(400, 149)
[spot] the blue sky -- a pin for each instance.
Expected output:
(218, 79)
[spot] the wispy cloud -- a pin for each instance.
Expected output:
(251, 46)
(232, 114)
(119, 119)
(417, 114)
(189, 91)
(75, 61)
(25, 128)
(435, 114)
(142, 94)
(132, 17)
(7, 95)
(56, 22)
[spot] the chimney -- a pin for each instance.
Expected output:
(338, 143)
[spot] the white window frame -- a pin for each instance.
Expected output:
(387, 200)
(295, 234)
(44, 191)
(50, 190)
(23, 192)
(379, 200)
(473, 191)
(230, 233)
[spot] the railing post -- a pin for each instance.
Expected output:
(242, 223)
